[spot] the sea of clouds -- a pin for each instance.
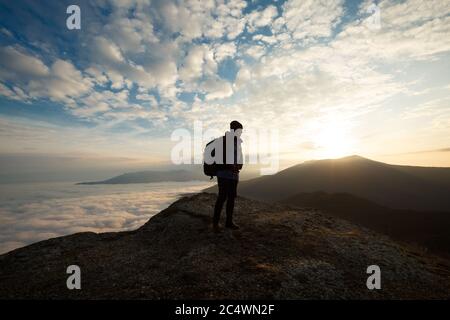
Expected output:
(38, 211)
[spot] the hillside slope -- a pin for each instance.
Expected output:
(279, 253)
(426, 229)
(397, 187)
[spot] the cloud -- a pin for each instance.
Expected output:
(309, 20)
(33, 79)
(147, 97)
(97, 76)
(255, 51)
(224, 50)
(62, 209)
(409, 30)
(14, 94)
(262, 18)
(132, 35)
(6, 32)
(198, 62)
(20, 136)
(16, 65)
(429, 151)
(106, 50)
(217, 89)
(64, 83)
(195, 19)
(290, 64)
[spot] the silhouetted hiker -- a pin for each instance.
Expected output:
(228, 175)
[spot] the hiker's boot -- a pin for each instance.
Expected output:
(232, 226)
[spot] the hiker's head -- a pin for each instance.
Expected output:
(236, 126)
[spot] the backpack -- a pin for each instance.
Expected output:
(210, 169)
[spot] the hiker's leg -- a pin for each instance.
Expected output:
(221, 197)
(231, 192)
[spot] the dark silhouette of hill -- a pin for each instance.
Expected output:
(279, 252)
(398, 187)
(426, 229)
(440, 176)
(152, 176)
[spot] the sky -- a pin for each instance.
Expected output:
(334, 78)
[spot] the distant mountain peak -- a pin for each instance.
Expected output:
(350, 158)
(394, 186)
(149, 176)
(347, 158)
(354, 157)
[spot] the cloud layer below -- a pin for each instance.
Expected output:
(34, 212)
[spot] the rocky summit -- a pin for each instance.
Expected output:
(278, 253)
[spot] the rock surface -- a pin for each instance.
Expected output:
(279, 253)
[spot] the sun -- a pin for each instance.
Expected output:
(334, 141)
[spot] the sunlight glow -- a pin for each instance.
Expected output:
(334, 140)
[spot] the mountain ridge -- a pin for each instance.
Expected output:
(388, 185)
(149, 176)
